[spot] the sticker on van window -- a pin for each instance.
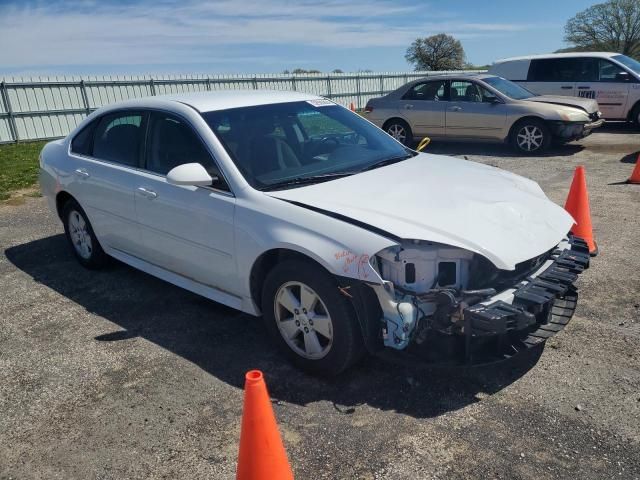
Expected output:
(321, 102)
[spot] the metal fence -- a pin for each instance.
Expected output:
(47, 108)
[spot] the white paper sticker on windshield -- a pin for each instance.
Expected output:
(321, 102)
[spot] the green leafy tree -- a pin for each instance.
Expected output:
(437, 52)
(610, 26)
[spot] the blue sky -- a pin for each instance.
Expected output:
(254, 36)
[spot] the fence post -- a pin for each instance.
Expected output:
(329, 86)
(13, 129)
(381, 85)
(152, 87)
(85, 98)
(255, 83)
(293, 83)
(208, 83)
(358, 89)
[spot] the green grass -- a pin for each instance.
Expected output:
(18, 166)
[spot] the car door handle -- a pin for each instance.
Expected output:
(583, 88)
(455, 109)
(150, 194)
(408, 106)
(566, 87)
(82, 173)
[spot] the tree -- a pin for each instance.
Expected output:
(302, 70)
(610, 26)
(337, 70)
(437, 52)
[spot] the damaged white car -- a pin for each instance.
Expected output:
(289, 206)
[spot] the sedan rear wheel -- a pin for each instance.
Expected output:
(81, 236)
(401, 131)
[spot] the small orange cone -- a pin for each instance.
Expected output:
(352, 107)
(578, 206)
(262, 455)
(635, 175)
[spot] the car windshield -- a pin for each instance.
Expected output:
(630, 63)
(508, 88)
(288, 144)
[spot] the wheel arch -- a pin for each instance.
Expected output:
(267, 260)
(395, 118)
(62, 197)
(362, 298)
(632, 111)
(523, 119)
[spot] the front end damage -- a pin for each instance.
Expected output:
(444, 304)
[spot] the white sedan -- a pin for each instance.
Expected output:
(289, 206)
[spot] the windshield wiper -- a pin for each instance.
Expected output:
(386, 161)
(306, 180)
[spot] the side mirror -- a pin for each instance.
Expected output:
(190, 174)
(623, 76)
(493, 100)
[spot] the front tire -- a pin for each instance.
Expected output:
(635, 116)
(530, 136)
(81, 237)
(312, 323)
(400, 130)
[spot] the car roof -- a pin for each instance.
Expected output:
(225, 99)
(451, 76)
(559, 55)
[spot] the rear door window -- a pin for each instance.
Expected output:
(118, 138)
(555, 70)
(433, 91)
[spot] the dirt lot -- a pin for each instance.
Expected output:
(117, 375)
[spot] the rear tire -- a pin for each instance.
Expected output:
(400, 130)
(530, 136)
(81, 237)
(312, 323)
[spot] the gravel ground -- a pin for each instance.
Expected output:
(116, 374)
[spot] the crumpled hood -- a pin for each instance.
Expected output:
(500, 215)
(586, 104)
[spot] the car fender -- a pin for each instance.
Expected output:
(342, 248)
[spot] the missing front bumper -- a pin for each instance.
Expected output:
(512, 321)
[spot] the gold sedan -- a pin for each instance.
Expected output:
(481, 107)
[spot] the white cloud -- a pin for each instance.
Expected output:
(102, 33)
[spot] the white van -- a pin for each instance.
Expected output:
(610, 78)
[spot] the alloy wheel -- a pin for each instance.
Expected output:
(398, 132)
(530, 138)
(80, 236)
(303, 320)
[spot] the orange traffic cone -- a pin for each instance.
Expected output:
(262, 455)
(578, 206)
(352, 107)
(635, 175)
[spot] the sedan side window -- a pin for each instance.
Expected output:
(465, 92)
(118, 138)
(433, 91)
(173, 142)
(82, 143)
